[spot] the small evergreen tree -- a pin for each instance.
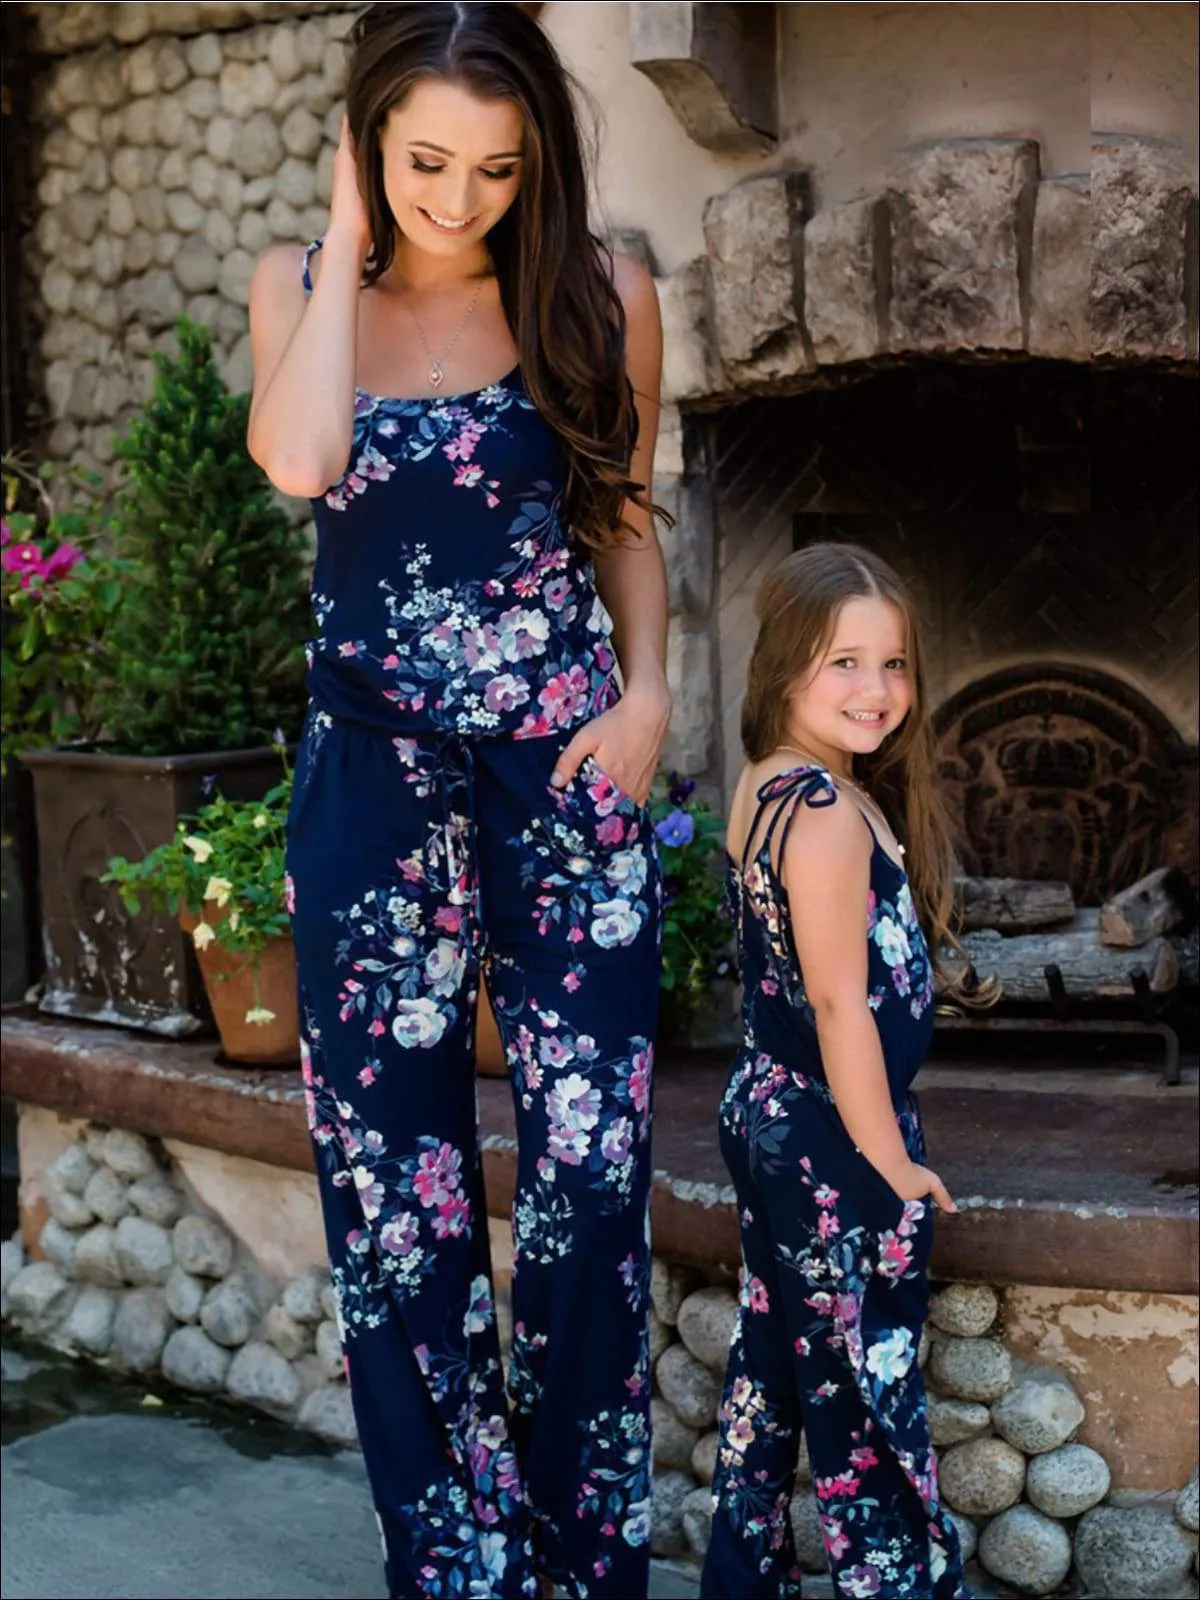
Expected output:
(207, 640)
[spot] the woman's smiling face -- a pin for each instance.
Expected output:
(451, 165)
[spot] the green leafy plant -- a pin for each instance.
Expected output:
(698, 945)
(224, 865)
(206, 645)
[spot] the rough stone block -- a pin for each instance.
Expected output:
(12, 1259)
(952, 1421)
(329, 1302)
(291, 1338)
(971, 1369)
(1141, 194)
(964, 1310)
(691, 1389)
(67, 1208)
(1060, 273)
(202, 1247)
(328, 1413)
(691, 364)
(230, 1312)
(1187, 1504)
(128, 1154)
(96, 1257)
(157, 1199)
(1068, 1481)
(184, 1294)
(962, 218)
(847, 270)
(1036, 1417)
(688, 546)
(38, 1293)
(704, 1456)
(706, 1322)
(696, 1514)
(754, 234)
(88, 1325)
(72, 1168)
(1139, 1551)
(1026, 1549)
(982, 1477)
(669, 1288)
(968, 1533)
(301, 1298)
(259, 1375)
(674, 1441)
(669, 1491)
(141, 1328)
(660, 1336)
(58, 1244)
(715, 66)
(193, 1361)
(688, 745)
(107, 1195)
(329, 1350)
(143, 1251)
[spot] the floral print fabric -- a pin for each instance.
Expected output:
(447, 590)
(416, 864)
(833, 1288)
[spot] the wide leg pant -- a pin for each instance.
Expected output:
(414, 864)
(833, 1297)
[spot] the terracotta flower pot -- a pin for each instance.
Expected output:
(489, 1051)
(237, 983)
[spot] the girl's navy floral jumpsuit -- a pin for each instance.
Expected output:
(460, 641)
(834, 1288)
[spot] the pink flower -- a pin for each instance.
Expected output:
(611, 830)
(863, 1457)
(452, 1218)
(467, 475)
(377, 1028)
(828, 1225)
(391, 662)
(60, 562)
(835, 1540)
(756, 1295)
(571, 982)
(437, 1178)
(25, 558)
(367, 1077)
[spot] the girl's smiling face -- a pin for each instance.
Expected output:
(451, 165)
(859, 688)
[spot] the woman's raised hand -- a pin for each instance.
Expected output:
(348, 210)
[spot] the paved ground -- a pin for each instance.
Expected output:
(108, 1498)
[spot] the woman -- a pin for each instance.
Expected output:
(469, 796)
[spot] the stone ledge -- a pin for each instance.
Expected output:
(1057, 1189)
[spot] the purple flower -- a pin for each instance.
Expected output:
(679, 790)
(677, 829)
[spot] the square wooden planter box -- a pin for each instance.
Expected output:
(102, 964)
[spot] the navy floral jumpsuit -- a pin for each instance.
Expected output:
(460, 641)
(834, 1289)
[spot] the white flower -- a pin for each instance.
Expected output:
(890, 1358)
(615, 922)
(892, 941)
(418, 1024)
(259, 1016)
(262, 820)
(202, 935)
(219, 889)
(200, 848)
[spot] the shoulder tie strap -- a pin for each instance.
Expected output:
(813, 785)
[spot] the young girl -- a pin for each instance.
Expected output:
(465, 383)
(819, 1128)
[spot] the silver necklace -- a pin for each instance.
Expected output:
(839, 777)
(437, 372)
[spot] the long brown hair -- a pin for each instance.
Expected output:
(555, 275)
(797, 609)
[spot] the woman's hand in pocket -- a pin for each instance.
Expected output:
(624, 743)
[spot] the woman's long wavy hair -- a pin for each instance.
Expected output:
(797, 608)
(554, 274)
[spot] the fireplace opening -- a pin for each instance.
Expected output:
(1045, 514)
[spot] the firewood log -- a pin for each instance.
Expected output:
(1012, 904)
(1157, 903)
(1090, 970)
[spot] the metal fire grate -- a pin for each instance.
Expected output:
(1066, 1021)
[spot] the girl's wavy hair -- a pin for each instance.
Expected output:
(555, 275)
(797, 608)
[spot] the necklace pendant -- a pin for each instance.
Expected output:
(436, 375)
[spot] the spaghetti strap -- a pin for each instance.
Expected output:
(309, 253)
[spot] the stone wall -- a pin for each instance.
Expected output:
(145, 1257)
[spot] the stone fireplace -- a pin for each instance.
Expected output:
(987, 374)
